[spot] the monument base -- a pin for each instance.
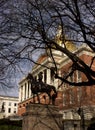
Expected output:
(42, 117)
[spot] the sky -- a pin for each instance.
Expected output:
(26, 67)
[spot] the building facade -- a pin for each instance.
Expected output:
(8, 106)
(70, 99)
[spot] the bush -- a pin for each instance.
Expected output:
(6, 124)
(92, 124)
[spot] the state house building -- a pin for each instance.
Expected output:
(69, 98)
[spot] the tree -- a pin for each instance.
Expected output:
(31, 25)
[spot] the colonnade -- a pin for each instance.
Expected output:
(25, 86)
(24, 91)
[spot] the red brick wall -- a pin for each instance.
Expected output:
(87, 94)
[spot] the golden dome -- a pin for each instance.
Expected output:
(62, 40)
(70, 46)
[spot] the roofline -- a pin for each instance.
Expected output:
(8, 96)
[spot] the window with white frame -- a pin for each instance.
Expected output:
(78, 76)
(64, 99)
(79, 93)
(9, 110)
(71, 78)
(15, 104)
(72, 96)
(14, 110)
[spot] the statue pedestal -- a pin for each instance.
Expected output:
(42, 117)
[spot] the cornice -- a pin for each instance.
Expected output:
(83, 50)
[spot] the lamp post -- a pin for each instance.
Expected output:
(80, 112)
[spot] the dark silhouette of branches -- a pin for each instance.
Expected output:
(31, 26)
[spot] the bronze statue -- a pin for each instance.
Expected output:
(39, 86)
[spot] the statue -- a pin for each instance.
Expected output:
(39, 86)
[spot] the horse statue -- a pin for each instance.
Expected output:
(39, 86)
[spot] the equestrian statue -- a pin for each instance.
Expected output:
(39, 86)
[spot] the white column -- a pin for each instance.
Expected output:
(23, 92)
(48, 76)
(26, 90)
(29, 89)
(43, 77)
(19, 93)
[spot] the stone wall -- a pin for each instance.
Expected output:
(42, 117)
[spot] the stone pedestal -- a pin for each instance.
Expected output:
(42, 117)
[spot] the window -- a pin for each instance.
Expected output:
(72, 78)
(4, 103)
(14, 110)
(15, 104)
(64, 99)
(79, 93)
(78, 76)
(9, 103)
(9, 110)
(72, 96)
